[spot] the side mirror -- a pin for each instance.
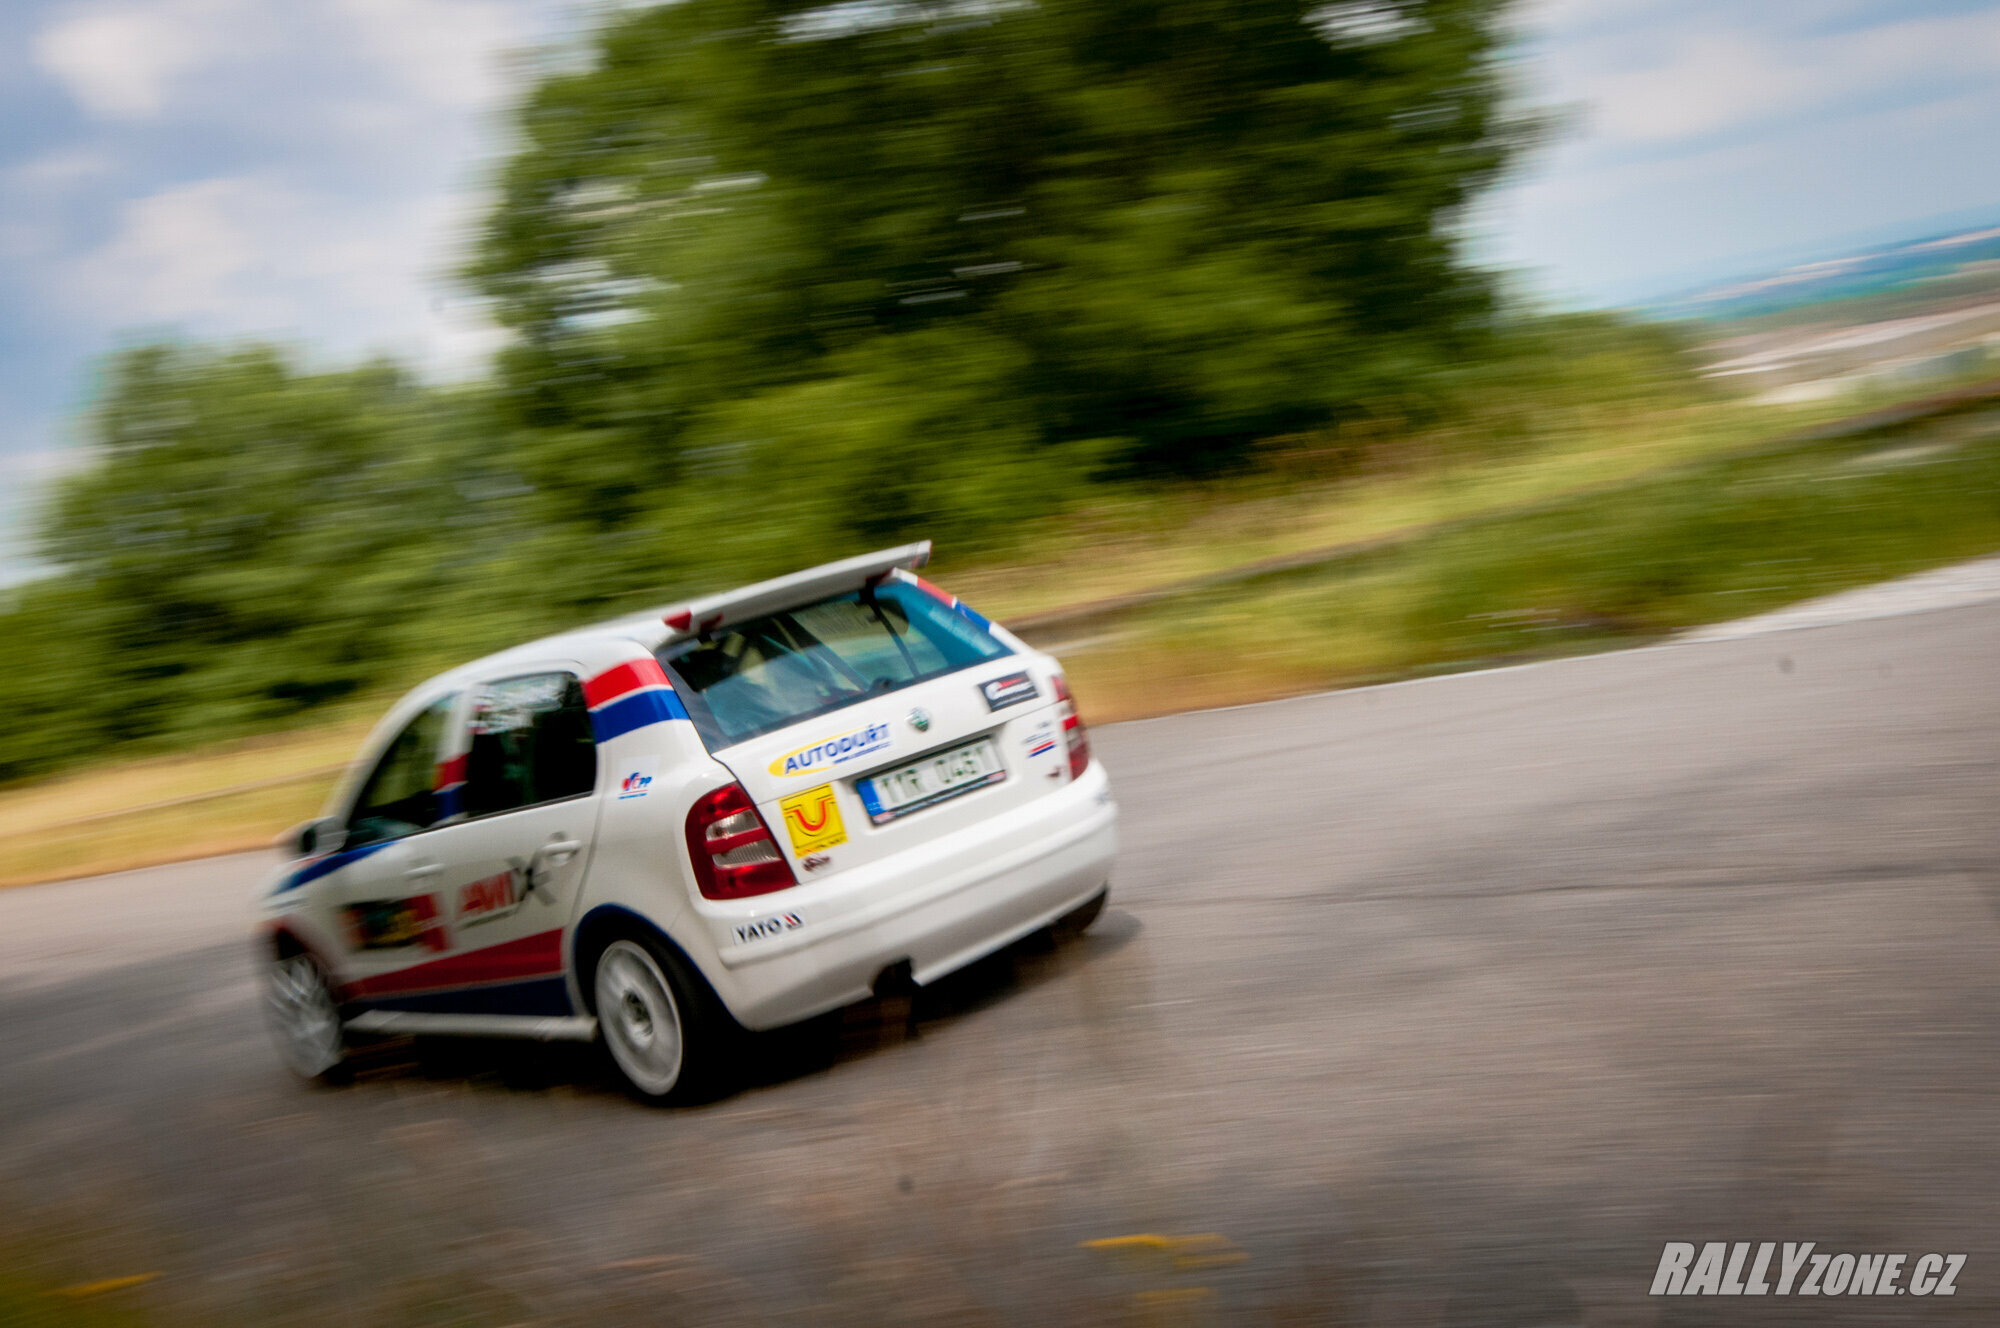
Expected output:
(321, 835)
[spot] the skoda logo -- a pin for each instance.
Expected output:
(920, 719)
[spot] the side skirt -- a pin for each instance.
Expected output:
(536, 1028)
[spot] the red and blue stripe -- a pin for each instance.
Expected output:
(329, 864)
(950, 600)
(523, 976)
(631, 696)
(449, 781)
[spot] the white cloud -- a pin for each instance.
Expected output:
(1716, 80)
(448, 52)
(1717, 137)
(44, 464)
(205, 252)
(283, 168)
(332, 141)
(58, 172)
(253, 255)
(145, 59)
(1709, 72)
(34, 195)
(119, 60)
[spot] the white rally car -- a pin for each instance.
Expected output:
(739, 813)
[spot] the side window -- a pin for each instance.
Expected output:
(531, 742)
(399, 797)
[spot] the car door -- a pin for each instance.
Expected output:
(375, 895)
(510, 865)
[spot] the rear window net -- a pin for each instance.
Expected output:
(766, 673)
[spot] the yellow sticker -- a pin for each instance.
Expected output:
(813, 820)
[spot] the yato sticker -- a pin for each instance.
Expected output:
(830, 752)
(1010, 690)
(764, 928)
(812, 819)
(635, 778)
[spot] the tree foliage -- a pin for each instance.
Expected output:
(254, 539)
(1151, 232)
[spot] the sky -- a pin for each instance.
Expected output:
(1709, 139)
(309, 169)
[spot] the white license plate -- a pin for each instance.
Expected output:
(924, 783)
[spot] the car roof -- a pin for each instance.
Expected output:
(653, 628)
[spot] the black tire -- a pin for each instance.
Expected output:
(1078, 919)
(644, 992)
(304, 1019)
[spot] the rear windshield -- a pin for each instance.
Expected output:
(756, 676)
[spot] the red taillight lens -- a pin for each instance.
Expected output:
(1074, 734)
(732, 850)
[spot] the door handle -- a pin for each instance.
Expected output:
(424, 872)
(558, 851)
(552, 854)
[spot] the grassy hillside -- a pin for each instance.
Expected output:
(1619, 528)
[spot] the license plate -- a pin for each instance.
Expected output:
(930, 781)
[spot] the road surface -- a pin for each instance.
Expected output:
(1441, 1003)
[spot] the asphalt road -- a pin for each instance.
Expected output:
(1443, 1003)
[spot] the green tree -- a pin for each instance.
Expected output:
(257, 539)
(1180, 226)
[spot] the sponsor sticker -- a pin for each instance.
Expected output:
(390, 924)
(1012, 689)
(764, 928)
(637, 779)
(1041, 739)
(1799, 1269)
(812, 819)
(487, 898)
(817, 757)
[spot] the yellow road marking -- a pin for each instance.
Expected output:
(1206, 1249)
(1143, 1239)
(82, 1289)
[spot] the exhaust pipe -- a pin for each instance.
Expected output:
(895, 980)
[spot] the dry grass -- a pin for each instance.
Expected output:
(232, 823)
(1134, 543)
(1730, 538)
(1314, 493)
(167, 808)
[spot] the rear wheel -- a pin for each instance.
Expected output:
(304, 1018)
(664, 1030)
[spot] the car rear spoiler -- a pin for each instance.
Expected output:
(785, 592)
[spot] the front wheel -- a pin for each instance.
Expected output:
(304, 1018)
(659, 1022)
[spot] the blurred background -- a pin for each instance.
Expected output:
(348, 340)
(1232, 349)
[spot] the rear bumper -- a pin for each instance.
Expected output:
(1022, 872)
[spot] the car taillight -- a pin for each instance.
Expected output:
(732, 850)
(1074, 733)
